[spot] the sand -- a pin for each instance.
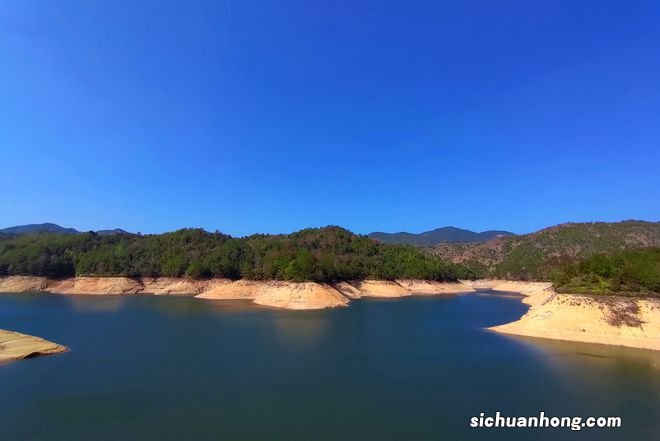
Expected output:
(381, 288)
(238, 290)
(606, 320)
(110, 285)
(432, 287)
(348, 290)
(95, 285)
(305, 295)
(23, 283)
(290, 295)
(16, 346)
(179, 286)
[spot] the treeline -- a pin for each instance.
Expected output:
(323, 254)
(632, 272)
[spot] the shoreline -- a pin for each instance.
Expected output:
(17, 346)
(278, 294)
(610, 320)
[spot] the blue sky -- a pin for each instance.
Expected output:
(270, 116)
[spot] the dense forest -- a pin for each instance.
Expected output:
(631, 272)
(321, 254)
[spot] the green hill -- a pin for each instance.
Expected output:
(535, 256)
(620, 272)
(318, 254)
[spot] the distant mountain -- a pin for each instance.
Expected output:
(111, 232)
(39, 228)
(438, 236)
(53, 228)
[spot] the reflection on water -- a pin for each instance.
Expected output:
(300, 328)
(500, 294)
(566, 354)
(183, 306)
(96, 303)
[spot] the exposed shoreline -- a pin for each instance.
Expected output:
(278, 294)
(614, 321)
(17, 346)
(609, 320)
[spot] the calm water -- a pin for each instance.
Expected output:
(154, 368)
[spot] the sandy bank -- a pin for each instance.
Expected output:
(348, 290)
(608, 320)
(278, 294)
(534, 292)
(95, 285)
(238, 290)
(109, 285)
(179, 286)
(290, 295)
(305, 295)
(311, 295)
(432, 287)
(23, 284)
(16, 346)
(381, 288)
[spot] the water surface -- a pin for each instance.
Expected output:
(177, 368)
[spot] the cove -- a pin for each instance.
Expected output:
(418, 368)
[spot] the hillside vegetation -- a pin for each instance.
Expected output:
(621, 272)
(598, 258)
(324, 254)
(538, 255)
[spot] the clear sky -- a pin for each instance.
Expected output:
(270, 116)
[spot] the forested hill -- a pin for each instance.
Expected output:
(601, 258)
(322, 254)
(437, 236)
(538, 255)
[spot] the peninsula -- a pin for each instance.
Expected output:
(17, 346)
(610, 320)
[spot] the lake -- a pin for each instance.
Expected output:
(177, 368)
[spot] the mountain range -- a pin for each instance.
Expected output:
(438, 236)
(426, 239)
(53, 228)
